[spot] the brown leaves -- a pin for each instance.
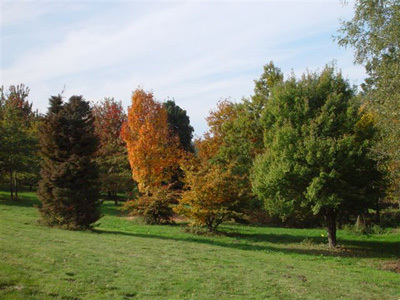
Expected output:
(212, 193)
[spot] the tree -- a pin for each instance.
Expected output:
(68, 188)
(179, 124)
(241, 133)
(111, 156)
(211, 196)
(153, 153)
(214, 192)
(263, 86)
(18, 142)
(317, 152)
(374, 34)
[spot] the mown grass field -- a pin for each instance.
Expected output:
(126, 260)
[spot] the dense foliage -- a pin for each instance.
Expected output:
(374, 34)
(214, 189)
(317, 151)
(19, 159)
(111, 156)
(179, 124)
(152, 151)
(69, 190)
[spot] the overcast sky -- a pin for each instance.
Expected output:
(197, 52)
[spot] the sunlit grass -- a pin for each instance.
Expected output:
(123, 259)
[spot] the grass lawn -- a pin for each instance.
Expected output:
(124, 260)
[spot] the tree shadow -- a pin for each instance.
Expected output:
(22, 201)
(108, 208)
(349, 248)
(300, 244)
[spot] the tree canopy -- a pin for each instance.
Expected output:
(179, 124)
(317, 155)
(153, 154)
(111, 155)
(213, 189)
(374, 33)
(19, 159)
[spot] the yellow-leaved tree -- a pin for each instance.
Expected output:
(212, 194)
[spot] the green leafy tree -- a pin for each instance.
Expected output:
(179, 124)
(374, 34)
(242, 134)
(262, 90)
(19, 157)
(317, 152)
(112, 156)
(68, 188)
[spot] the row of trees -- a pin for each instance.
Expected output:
(19, 141)
(298, 147)
(79, 149)
(301, 148)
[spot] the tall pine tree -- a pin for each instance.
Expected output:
(68, 189)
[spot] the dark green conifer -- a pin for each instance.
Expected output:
(68, 189)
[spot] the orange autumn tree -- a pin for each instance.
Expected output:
(212, 195)
(153, 155)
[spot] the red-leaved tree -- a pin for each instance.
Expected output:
(111, 156)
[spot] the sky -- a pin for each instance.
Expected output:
(195, 52)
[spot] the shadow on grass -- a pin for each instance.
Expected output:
(22, 201)
(300, 244)
(31, 200)
(349, 248)
(108, 208)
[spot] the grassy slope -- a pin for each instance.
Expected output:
(123, 260)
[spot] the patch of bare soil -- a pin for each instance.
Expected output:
(393, 265)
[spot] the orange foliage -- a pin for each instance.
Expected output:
(152, 152)
(213, 139)
(212, 194)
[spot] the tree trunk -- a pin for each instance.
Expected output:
(209, 224)
(330, 217)
(378, 214)
(11, 186)
(16, 187)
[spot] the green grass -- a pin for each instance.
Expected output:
(124, 260)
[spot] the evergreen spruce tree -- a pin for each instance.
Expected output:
(68, 188)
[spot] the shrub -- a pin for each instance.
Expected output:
(154, 207)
